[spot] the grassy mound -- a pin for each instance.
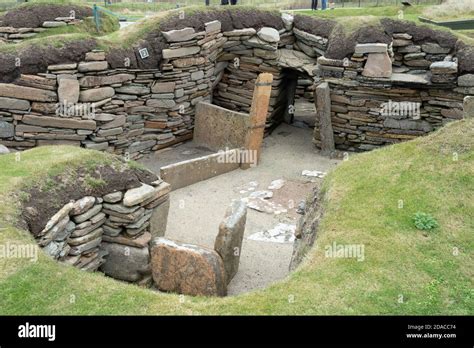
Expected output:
(405, 270)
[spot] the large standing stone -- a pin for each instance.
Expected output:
(14, 104)
(187, 269)
(228, 242)
(138, 195)
(93, 95)
(378, 65)
(323, 113)
(68, 90)
(125, 262)
(27, 93)
(269, 34)
(258, 115)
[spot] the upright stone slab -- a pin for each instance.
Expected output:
(258, 114)
(228, 242)
(159, 219)
(468, 107)
(68, 90)
(187, 269)
(323, 111)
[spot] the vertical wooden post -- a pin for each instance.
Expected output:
(258, 116)
(322, 98)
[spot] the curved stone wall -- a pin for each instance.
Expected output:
(137, 100)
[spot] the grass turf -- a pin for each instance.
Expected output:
(405, 270)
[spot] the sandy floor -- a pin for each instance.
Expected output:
(197, 210)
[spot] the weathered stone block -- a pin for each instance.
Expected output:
(92, 66)
(185, 34)
(180, 52)
(58, 122)
(370, 48)
(269, 34)
(27, 93)
(187, 269)
(126, 262)
(96, 94)
(163, 87)
(138, 195)
(7, 130)
(14, 104)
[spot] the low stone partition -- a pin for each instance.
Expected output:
(196, 270)
(189, 172)
(110, 233)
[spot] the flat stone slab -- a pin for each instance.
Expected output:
(410, 78)
(59, 122)
(185, 34)
(370, 48)
(180, 52)
(138, 195)
(96, 94)
(27, 93)
(228, 242)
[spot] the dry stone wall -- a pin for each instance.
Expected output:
(133, 111)
(110, 233)
(9, 34)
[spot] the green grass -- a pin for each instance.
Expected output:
(361, 199)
